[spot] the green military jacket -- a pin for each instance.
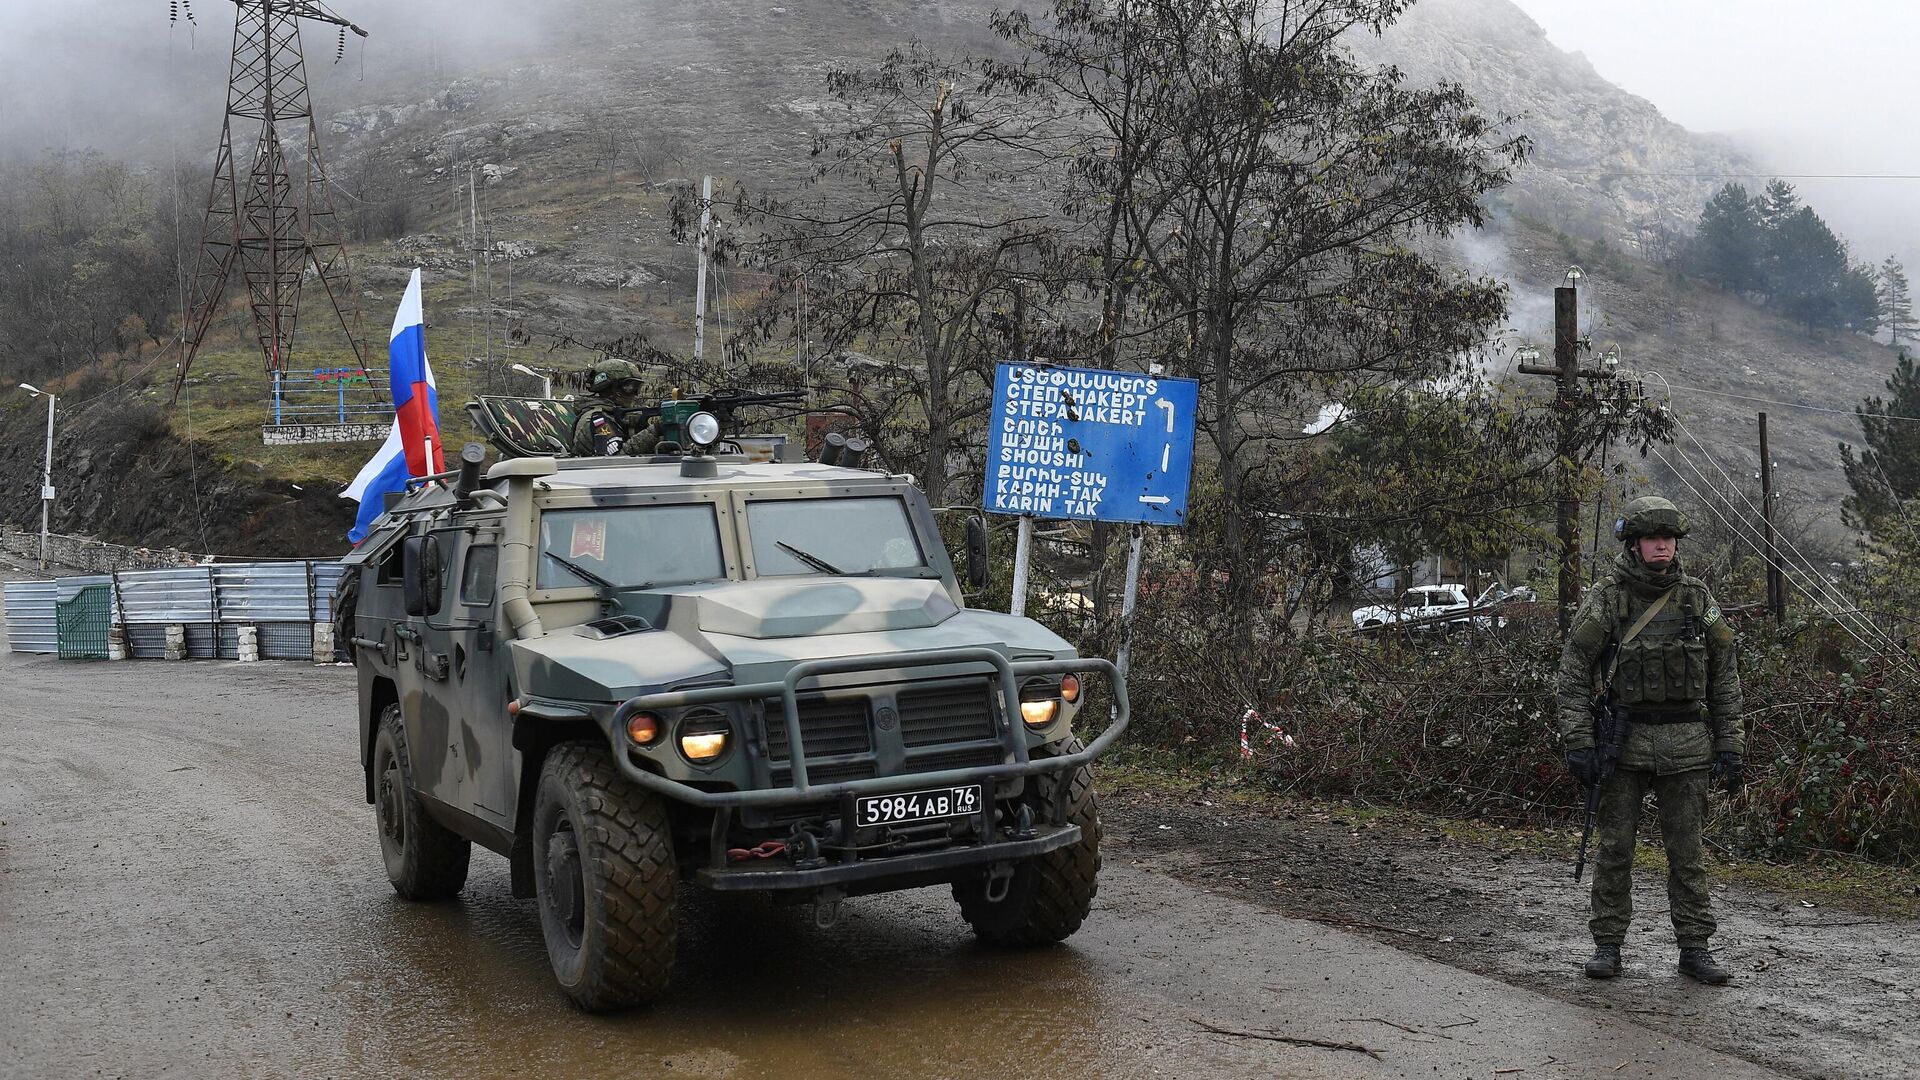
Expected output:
(600, 430)
(1680, 664)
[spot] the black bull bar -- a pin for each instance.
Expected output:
(801, 792)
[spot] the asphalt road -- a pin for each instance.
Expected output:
(190, 886)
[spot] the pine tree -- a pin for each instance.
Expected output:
(1776, 208)
(1895, 299)
(1776, 204)
(1887, 470)
(1809, 271)
(1729, 248)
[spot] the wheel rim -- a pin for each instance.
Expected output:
(393, 825)
(565, 889)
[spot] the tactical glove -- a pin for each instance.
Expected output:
(1584, 764)
(1728, 767)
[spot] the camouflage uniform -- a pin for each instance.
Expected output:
(1679, 667)
(600, 424)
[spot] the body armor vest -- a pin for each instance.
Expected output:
(1664, 668)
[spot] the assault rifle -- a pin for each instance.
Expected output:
(1609, 738)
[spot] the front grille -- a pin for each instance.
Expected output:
(949, 712)
(963, 758)
(828, 728)
(825, 774)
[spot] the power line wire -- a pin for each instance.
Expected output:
(1601, 170)
(1804, 574)
(1833, 591)
(1790, 404)
(1834, 599)
(1709, 504)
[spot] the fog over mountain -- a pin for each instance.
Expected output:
(1819, 92)
(119, 77)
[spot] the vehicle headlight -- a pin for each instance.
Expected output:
(1070, 688)
(1039, 713)
(643, 728)
(704, 737)
(703, 429)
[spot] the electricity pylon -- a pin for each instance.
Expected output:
(256, 226)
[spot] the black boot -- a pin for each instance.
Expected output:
(1605, 963)
(1696, 962)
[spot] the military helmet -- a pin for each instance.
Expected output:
(1649, 515)
(610, 373)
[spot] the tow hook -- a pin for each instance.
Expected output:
(826, 907)
(804, 848)
(999, 880)
(1023, 823)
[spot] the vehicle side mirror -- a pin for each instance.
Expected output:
(420, 577)
(978, 568)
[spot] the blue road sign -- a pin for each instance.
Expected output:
(1090, 444)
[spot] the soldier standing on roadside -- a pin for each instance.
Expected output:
(1677, 680)
(600, 425)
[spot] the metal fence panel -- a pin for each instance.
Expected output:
(286, 641)
(70, 587)
(326, 581)
(30, 619)
(282, 599)
(81, 623)
(263, 592)
(200, 643)
(179, 594)
(147, 642)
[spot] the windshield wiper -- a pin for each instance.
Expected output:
(583, 573)
(811, 559)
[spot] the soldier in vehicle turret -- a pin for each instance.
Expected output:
(1672, 669)
(604, 424)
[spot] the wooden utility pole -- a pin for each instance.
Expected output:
(1776, 584)
(1566, 369)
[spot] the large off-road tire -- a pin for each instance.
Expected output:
(604, 879)
(1050, 894)
(425, 860)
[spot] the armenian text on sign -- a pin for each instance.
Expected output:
(1090, 444)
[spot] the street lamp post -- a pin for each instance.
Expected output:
(46, 477)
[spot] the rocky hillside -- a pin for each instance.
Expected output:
(1605, 163)
(579, 126)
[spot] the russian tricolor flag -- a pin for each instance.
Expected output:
(413, 444)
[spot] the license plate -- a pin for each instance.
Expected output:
(911, 806)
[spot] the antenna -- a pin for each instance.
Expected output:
(258, 224)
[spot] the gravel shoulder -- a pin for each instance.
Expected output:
(1822, 989)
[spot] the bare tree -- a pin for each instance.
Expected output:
(907, 251)
(1265, 190)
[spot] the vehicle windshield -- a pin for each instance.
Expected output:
(629, 546)
(833, 536)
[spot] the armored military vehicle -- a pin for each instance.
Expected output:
(627, 675)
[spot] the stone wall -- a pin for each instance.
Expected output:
(91, 556)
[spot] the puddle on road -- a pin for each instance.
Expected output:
(897, 988)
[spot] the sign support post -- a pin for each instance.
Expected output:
(1022, 561)
(1128, 600)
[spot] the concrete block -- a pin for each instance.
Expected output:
(116, 643)
(323, 643)
(248, 641)
(176, 644)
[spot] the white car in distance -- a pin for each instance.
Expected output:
(1431, 607)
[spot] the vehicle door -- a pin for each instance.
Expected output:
(465, 682)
